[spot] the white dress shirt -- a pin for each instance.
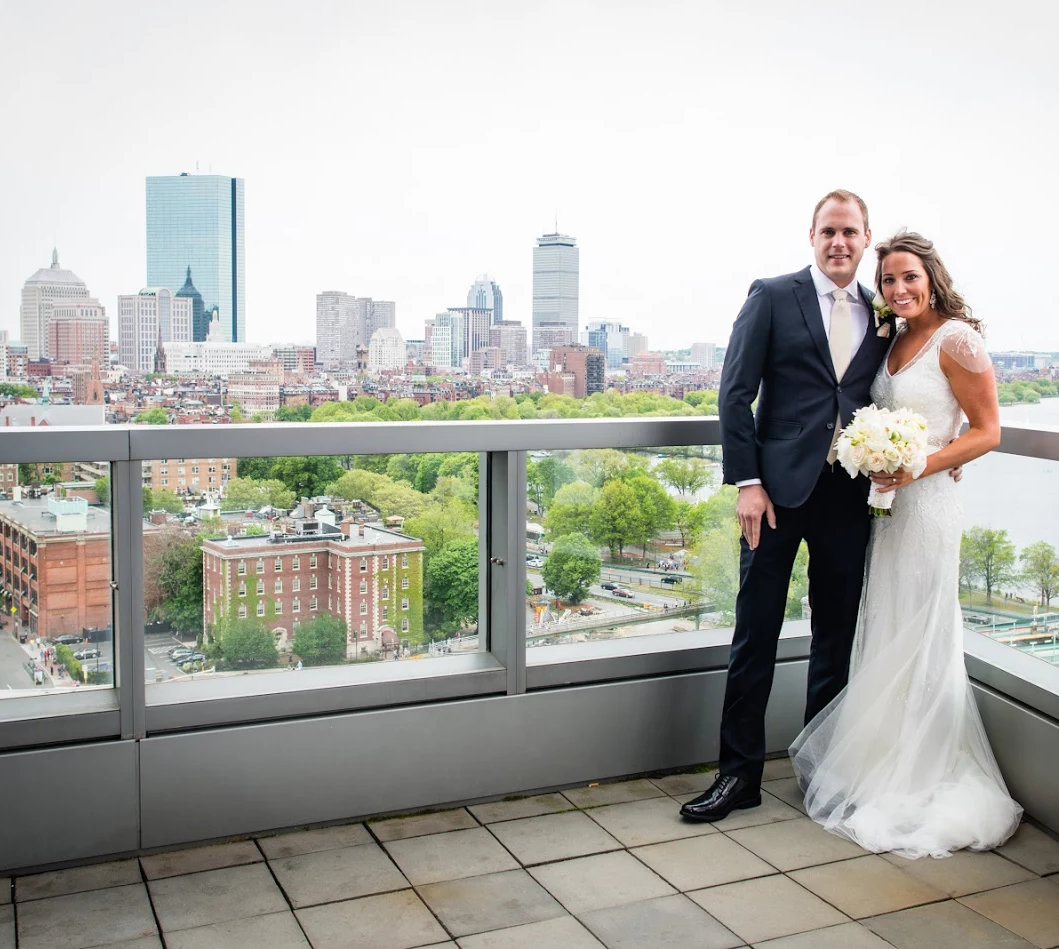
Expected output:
(858, 314)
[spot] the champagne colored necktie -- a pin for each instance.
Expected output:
(840, 341)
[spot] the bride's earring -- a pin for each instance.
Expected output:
(933, 299)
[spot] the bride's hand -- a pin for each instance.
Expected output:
(891, 482)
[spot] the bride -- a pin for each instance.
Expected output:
(899, 761)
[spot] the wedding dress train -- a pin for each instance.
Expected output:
(899, 761)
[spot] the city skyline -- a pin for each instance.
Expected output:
(681, 186)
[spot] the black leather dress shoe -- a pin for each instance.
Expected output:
(725, 795)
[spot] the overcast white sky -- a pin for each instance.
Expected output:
(397, 149)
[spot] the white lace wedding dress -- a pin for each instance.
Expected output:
(899, 761)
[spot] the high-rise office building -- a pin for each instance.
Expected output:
(200, 319)
(509, 336)
(196, 222)
(476, 325)
(611, 338)
(556, 266)
(448, 339)
(345, 322)
(79, 333)
(635, 344)
(41, 292)
(147, 320)
(485, 295)
(705, 354)
(586, 364)
(386, 350)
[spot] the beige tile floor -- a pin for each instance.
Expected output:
(606, 866)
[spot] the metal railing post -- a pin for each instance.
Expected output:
(506, 564)
(128, 598)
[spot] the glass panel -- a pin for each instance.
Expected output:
(633, 543)
(56, 633)
(370, 525)
(1009, 558)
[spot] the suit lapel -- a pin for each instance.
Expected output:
(874, 346)
(805, 294)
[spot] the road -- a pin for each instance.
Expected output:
(13, 673)
(156, 659)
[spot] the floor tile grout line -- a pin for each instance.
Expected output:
(150, 902)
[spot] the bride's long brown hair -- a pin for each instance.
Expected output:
(947, 303)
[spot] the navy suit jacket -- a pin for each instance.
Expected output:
(778, 353)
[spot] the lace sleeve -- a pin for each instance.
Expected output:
(967, 347)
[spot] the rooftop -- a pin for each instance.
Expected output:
(603, 865)
(373, 537)
(55, 275)
(35, 516)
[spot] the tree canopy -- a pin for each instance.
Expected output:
(572, 567)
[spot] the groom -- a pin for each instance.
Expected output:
(806, 346)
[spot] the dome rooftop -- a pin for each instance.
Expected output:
(55, 275)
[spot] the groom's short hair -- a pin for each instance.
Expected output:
(845, 196)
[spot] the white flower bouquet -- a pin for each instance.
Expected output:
(883, 440)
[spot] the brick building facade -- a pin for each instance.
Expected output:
(370, 578)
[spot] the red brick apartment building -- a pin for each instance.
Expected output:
(370, 578)
(55, 560)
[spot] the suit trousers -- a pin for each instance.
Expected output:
(835, 523)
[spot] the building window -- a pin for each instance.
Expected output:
(404, 625)
(194, 469)
(296, 605)
(312, 603)
(242, 589)
(260, 565)
(242, 611)
(277, 587)
(278, 565)
(385, 592)
(242, 568)
(363, 564)
(363, 607)
(363, 586)
(165, 481)
(296, 584)
(404, 560)
(260, 586)
(404, 603)
(385, 563)
(296, 563)
(385, 613)
(277, 606)
(260, 607)
(404, 583)
(363, 629)
(312, 561)
(312, 582)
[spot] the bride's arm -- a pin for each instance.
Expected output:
(975, 390)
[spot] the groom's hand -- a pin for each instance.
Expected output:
(754, 503)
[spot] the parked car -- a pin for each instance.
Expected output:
(671, 580)
(67, 639)
(90, 653)
(535, 562)
(622, 592)
(192, 657)
(180, 654)
(609, 586)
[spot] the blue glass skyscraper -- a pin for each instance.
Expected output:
(196, 221)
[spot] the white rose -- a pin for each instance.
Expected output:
(858, 456)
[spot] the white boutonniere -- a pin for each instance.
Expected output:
(883, 318)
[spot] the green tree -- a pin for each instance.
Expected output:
(442, 524)
(452, 581)
(103, 490)
(715, 569)
(799, 585)
(307, 477)
(614, 517)
(597, 466)
(427, 472)
(13, 390)
(155, 416)
(656, 510)
(235, 414)
(1041, 566)
(571, 509)
(245, 494)
(165, 500)
(720, 507)
(572, 567)
(991, 556)
(246, 644)
(690, 520)
(176, 566)
(685, 475)
(256, 469)
(293, 413)
(402, 468)
(544, 478)
(321, 641)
